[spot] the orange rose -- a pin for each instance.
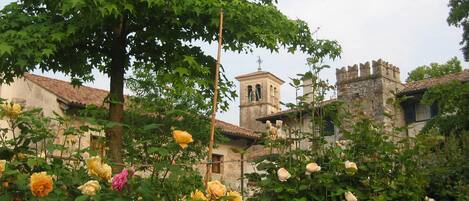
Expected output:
(183, 138)
(41, 184)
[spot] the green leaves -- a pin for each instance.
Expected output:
(5, 49)
(459, 17)
(435, 70)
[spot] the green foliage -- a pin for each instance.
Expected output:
(435, 70)
(445, 160)
(453, 114)
(385, 171)
(389, 165)
(459, 17)
(76, 36)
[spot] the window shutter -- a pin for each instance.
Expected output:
(434, 109)
(409, 112)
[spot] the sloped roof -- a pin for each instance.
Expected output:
(84, 95)
(284, 113)
(237, 131)
(420, 85)
(260, 72)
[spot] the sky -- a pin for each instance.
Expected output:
(402, 32)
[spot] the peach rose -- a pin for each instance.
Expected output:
(90, 188)
(216, 189)
(183, 138)
(350, 197)
(41, 184)
(283, 174)
(312, 167)
(351, 167)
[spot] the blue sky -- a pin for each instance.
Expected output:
(405, 33)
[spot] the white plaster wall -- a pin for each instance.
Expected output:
(33, 95)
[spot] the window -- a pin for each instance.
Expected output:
(217, 163)
(97, 144)
(328, 127)
(422, 112)
(409, 112)
(250, 93)
(258, 92)
(415, 111)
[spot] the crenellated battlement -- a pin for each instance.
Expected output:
(380, 69)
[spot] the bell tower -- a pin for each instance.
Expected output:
(259, 96)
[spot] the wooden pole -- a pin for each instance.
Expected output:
(208, 174)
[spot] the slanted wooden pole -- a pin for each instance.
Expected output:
(208, 174)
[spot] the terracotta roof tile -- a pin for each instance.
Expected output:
(427, 83)
(284, 113)
(84, 95)
(258, 73)
(234, 130)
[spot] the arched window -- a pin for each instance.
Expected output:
(250, 93)
(258, 92)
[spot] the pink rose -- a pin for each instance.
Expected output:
(119, 180)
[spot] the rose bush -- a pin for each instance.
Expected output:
(42, 158)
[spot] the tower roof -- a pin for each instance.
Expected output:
(259, 74)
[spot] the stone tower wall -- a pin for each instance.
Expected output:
(368, 93)
(270, 102)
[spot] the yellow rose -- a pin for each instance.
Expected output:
(105, 172)
(216, 189)
(197, 195)
(350, 197)
(11, 110)
(90, 188)
(312, 167)
(41, 184)
(98, 169)
(2, 166)
(283, 174)
(183, 138)
(234, 196)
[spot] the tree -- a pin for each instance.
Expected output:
(77, 36)
(453, 110)
(459, 17)
(435, 70)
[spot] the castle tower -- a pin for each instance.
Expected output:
(370, 93)
(259, 96)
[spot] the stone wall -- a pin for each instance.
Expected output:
(231, 167)
(268, 104)
(371, 93)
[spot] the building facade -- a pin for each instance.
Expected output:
(371, 89)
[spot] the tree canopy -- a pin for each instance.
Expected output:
(112, 36)
(435, 70)
(459, 17)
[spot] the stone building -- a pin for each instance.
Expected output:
(368, 88)
(60, 97)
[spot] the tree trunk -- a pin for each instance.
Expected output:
(115, 134)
